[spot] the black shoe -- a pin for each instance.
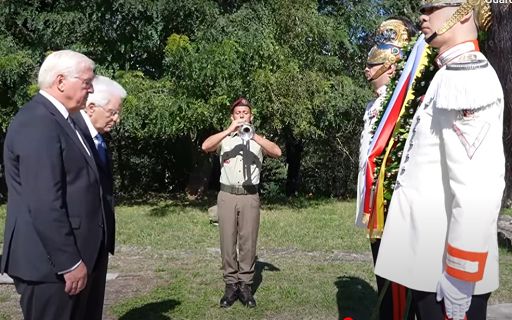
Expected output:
(230, 295)
(246, 296)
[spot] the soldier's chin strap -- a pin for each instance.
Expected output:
(457, 16)
(431, 38)
(385, 67)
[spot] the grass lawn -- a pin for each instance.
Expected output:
(312, 263)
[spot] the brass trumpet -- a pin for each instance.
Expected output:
(246, 131)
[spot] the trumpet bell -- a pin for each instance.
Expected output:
(246, 132)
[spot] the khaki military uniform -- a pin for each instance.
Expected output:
(238, 205)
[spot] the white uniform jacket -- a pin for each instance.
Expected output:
(370, 116)
(444, 209)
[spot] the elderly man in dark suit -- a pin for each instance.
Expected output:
(98, 118)
(55, 223)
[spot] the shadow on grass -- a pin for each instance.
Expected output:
(153, 311)
(258, 270)
(177, 200)
(165, 204)
(355, 298)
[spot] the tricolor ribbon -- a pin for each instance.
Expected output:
(372, 196)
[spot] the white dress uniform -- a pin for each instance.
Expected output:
(444, 209)
(369, 118)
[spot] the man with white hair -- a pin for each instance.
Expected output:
(101, 113)
(54, 225)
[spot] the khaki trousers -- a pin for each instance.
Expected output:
(239, 222)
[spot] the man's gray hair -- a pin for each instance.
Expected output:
(104, 89)
(65, 62)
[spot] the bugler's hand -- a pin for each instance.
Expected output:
(235, 124)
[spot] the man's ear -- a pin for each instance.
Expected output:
(60, 82)
(252, 117)
(467, 18)
(391, 70)
(89, 108)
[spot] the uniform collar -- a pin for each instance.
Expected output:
(456, 51)
(380, 91)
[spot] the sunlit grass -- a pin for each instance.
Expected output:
(302, 272)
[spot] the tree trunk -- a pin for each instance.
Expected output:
(497, 46)
(507, 143)
(294, 150)
(198, 180)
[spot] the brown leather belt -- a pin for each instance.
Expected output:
(239, 190)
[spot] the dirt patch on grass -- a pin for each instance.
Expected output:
(141, 270)
(136, 270)
(137, 273)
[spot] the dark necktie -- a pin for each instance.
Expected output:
(102, 148)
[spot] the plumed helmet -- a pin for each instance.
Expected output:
(391, 37)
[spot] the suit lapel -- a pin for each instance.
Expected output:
(109, 163)
(82, 126)
(68, 129)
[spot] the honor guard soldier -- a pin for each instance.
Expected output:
(440, 237)
(391, 37)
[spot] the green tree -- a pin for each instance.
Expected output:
(299, 62)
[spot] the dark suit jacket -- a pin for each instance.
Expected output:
(54, 204)
(106, 179)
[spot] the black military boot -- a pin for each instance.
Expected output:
(246, 295)
(230, 295)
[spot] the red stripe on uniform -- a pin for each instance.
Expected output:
(479, 257)
(396, 301)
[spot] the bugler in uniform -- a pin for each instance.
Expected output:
(238, 202)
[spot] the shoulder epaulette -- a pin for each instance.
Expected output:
(468, 65)
(468, 84)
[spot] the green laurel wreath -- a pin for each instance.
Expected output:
(400, 133)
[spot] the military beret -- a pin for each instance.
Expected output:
(241, 101)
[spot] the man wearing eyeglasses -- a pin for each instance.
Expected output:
(54, 224)
(100, 115)
(103, 107)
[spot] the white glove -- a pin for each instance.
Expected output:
(456, 294)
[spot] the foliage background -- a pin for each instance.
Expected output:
(182, 62)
